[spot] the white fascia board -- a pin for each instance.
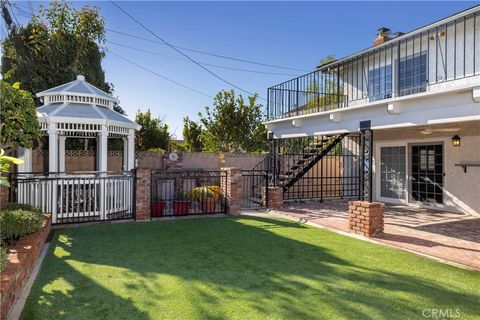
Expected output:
(128, 125)
(459, 119)
(77, 120)
(331, 132)
(293, 135)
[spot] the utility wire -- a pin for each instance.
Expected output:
(13, 13)
(183, 54)
(159, 75)
(20, 10)
(207, 53)
(204, 63)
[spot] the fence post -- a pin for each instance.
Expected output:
(143, 194)
(272, 197)
(233, 187)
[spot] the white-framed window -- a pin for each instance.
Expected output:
(412, 74)
(393, 172)
(380, 83)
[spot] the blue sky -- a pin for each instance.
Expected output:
(290, 34)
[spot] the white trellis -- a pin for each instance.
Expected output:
(80, 110)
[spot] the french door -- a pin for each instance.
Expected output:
(427, 173)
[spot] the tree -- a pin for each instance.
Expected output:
(325, 94)
(233, 125)
(19, 125)
(327, 59)
(5, 162)
(192, 132)
(153, 134)
(57, 44)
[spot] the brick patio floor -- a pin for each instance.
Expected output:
(444, 235)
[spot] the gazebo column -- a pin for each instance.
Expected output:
(130, 150)
(102, 150)
(52, 148)
(25, 155)
(52, 168)
(61, 153)
(102, 156)
(125, 154)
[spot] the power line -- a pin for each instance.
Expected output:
(13, 13)
(204, 63)
(208, 53)
(20, 10)
(183, 54)
(158, 75)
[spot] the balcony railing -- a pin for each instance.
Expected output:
(420, 61)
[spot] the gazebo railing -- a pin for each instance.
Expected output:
(79, 197)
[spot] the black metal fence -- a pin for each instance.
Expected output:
(405, 65)
(76, 197)
(255, 189)
(179, 193)
(305, 174)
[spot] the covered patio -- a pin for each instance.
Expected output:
(452, 237)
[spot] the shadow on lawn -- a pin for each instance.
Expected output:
(229, 267)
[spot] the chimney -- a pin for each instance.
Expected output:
(382, 36)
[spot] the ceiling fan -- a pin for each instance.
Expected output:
(432, 130)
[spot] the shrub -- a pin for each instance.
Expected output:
(3, 257)
(17, 223)
(23, 206)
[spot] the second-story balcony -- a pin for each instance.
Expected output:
(439, 57)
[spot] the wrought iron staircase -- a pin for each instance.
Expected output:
(317, 150)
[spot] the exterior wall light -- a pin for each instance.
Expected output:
(456, 141)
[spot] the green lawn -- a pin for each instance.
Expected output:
(239, 268)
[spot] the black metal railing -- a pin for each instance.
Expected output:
(409, 64)
(318, 167)
(178, 193)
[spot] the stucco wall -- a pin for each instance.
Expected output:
(461, 190)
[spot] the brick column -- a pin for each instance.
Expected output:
(233, 186)
(365, 218)
(275, 197)
(142, 194)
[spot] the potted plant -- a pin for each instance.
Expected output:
(158, 207)
(181, 204)
(208, 196)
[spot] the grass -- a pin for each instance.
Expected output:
(239, 268)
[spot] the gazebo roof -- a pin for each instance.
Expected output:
(78, 102)
(83, 111)
(77, 86)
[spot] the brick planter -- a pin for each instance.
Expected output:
(365, 218)
(21, 261)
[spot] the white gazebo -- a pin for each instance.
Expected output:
(79, 110)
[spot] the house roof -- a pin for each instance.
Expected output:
(472, 10)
